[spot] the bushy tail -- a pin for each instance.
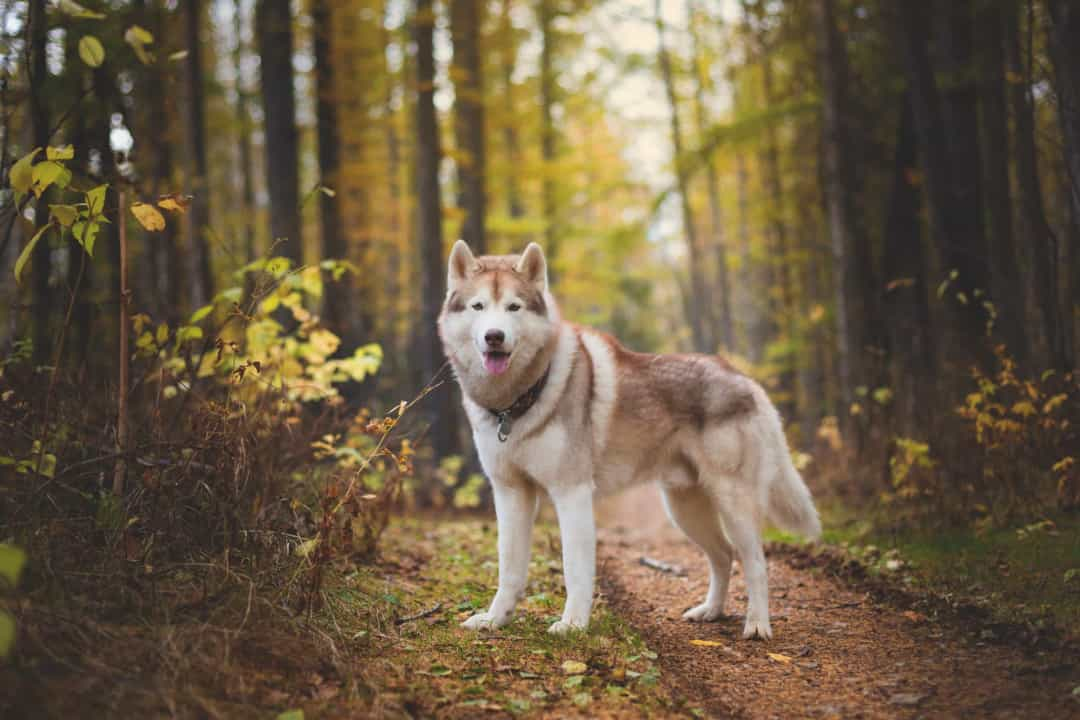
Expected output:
(790, 506)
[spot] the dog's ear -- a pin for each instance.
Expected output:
(462, 264)
(533, 266)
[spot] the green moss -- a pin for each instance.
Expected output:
(1021, 573)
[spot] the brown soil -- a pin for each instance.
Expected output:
(836, 651)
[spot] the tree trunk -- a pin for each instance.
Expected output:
(429, 231)
(1008, 296)
(334, 246)
(273, 23)
(951, 200)
(965, 248)
(547, 136)
(514, 206)
(465, 22)
(725, 332)
(243, 129)
(785, 315)
(168, 261)
(39, 119)
(699, 304)
(202, 279)
(840, 191)
(1064, 39)
(906, 315)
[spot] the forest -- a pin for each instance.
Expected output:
(236, 479)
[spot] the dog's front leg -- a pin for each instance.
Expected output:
(577, 526)
(515, 509)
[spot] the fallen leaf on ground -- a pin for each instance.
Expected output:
(780, 658)
(706, 643)
(914, 616)
(574, 667)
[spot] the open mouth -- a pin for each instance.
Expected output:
(496, 361)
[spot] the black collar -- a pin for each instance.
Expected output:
(519, 407)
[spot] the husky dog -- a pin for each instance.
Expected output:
(565, 409)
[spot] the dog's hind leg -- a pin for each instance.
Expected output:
(743, 529)
(692, 510)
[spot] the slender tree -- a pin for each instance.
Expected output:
(1065, 55)
(202, 279)
(273, 26)
(725, 329)
(39, 119)
(841, 192)
(243, 132)
(511, 141)
(699, 303)
(336, 305)
(465, 23)
(429, 229)
(1039, 249)
(546, 17)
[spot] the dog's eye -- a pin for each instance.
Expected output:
(513, 307)
(478, 306)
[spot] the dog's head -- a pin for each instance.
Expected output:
(498, 314)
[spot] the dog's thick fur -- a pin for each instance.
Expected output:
(608, 418)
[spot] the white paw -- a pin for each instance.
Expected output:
(564, 626)
(757, 629)
(704, 613)
(485, 621)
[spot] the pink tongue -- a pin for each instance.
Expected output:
(496, 364)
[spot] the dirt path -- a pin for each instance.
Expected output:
(836, 653)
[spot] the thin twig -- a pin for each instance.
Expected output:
(662, 566)
(420, 615)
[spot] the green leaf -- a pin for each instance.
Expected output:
(7, 633)
(24, 256)
(65, 152)
(137, 34)
(440, 670)
(91, 51)
(201, 313)
(187, 333)
(49, 172)
(291, 715)
(95, 199)
(86, 234)
(75, 10)
(12, 561)
(22, 172)
(66, 215)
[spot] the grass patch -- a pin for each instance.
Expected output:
(433, 666)
(1026, 573)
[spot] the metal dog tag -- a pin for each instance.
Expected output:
(505, 424)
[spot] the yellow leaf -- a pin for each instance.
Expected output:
(1023, 409)
(574, 667)
(91, 51)
(64, 214)
(22, 172)
(706, 643)
(175, 202)
(1054, 402)
(780, 658)
(148, 216)
(65, 152)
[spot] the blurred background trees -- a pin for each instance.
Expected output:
(859, 200)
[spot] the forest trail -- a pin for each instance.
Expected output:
(836, 652)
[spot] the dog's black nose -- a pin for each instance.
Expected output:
(494, 338)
